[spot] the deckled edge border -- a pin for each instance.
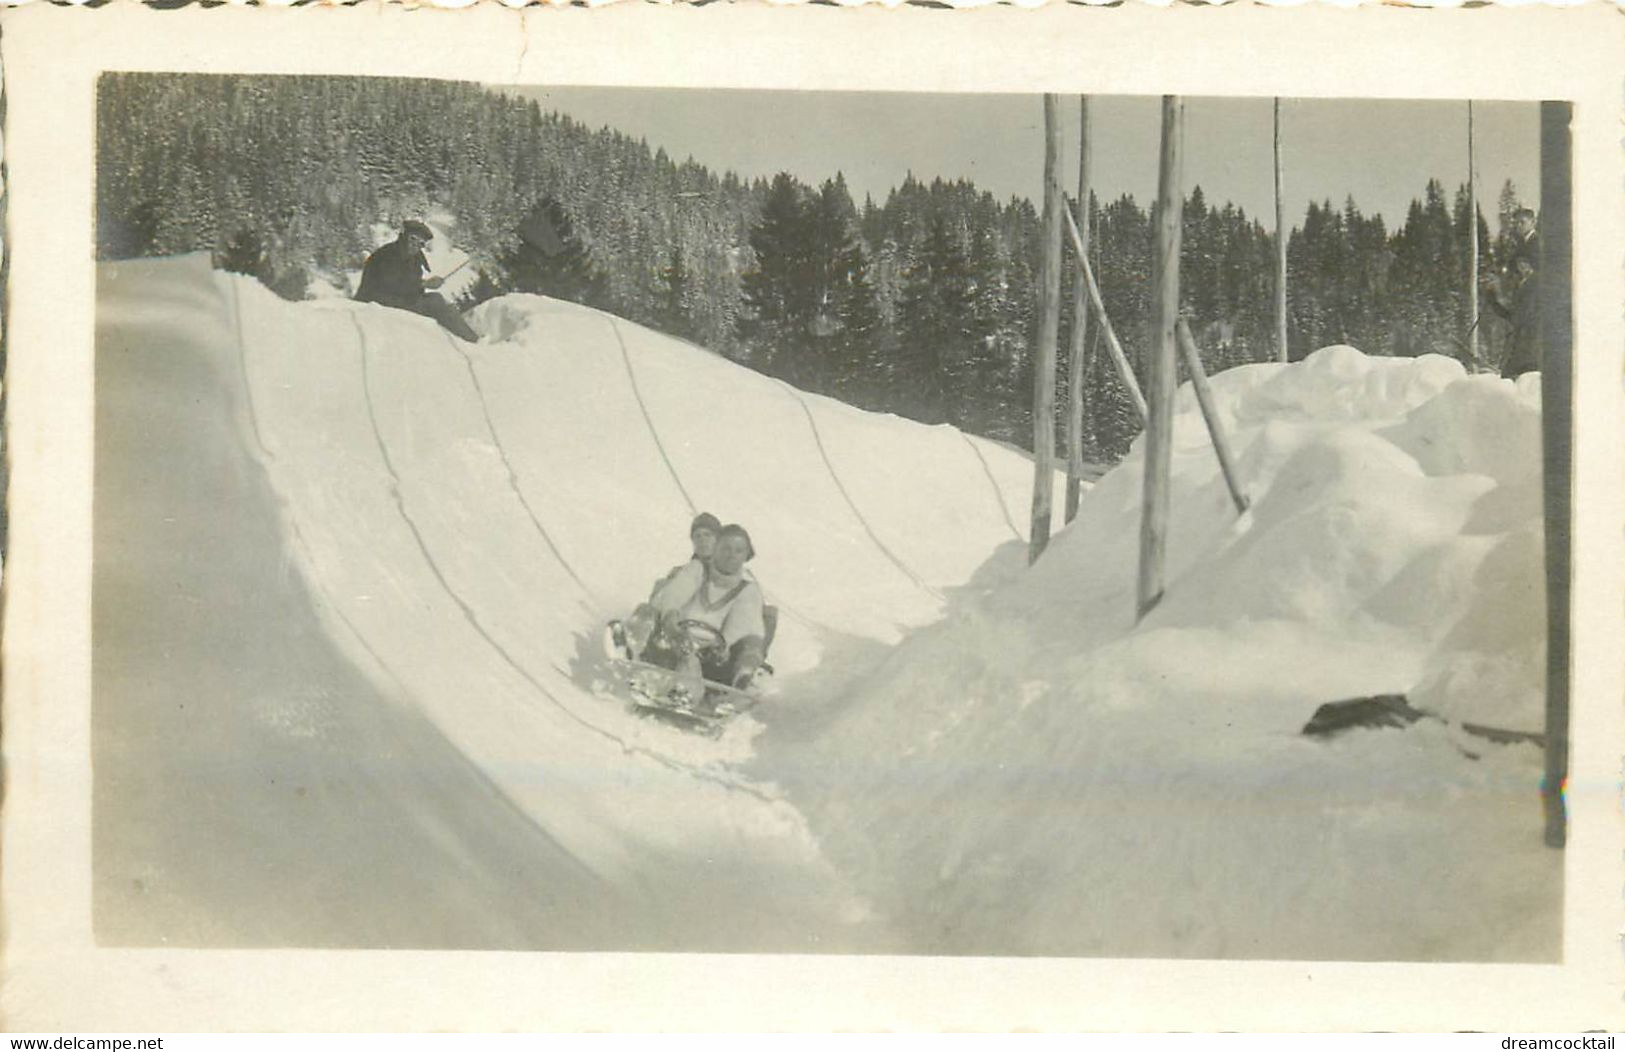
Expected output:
(944, 5)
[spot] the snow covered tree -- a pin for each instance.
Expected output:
(245, 254)
(860, 358)
(675, 293)
(779, 292)
(550, 260)
(936, 324)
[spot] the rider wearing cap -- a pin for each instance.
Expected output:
(393, 277)
(721, 596)
(702, 534)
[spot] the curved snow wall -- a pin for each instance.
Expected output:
(542, 481)
(465, 517)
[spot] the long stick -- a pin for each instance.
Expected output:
(466, 261)
(1164, 367)
(1210, 413)
(1049, 332)
(1125, 372)
(1077, 366)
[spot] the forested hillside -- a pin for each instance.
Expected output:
(922, 304)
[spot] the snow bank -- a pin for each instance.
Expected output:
(1040, 774)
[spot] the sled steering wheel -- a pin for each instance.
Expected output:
(700, 636)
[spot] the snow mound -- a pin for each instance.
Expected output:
(1064, 779)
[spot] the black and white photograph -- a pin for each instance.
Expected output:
(833, 522)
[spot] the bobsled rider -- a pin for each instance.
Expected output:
(729, 641)
(702, 534)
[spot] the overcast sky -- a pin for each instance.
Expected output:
(1381, 151)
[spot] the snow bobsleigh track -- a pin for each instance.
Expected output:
(348, 688)
(349, 575)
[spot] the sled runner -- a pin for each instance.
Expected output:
(690, 703)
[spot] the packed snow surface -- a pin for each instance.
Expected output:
(1038, 773)
(966, 755)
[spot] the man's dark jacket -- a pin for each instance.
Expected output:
(393, 276)
(1518, 301)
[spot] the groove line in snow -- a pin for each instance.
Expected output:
(266, 456)
(298, 539)
(850, 503)
(242, 366)
(998, 493)
(513, 478)
(654, 432)
(473, 618)
(643, 407)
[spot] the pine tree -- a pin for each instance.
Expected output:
(245, 254)
(550, 260)
(676, 290)
(778, 293)
(860, 361)
(935, 329)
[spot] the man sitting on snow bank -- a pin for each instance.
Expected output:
(718, 595)
(393, 277)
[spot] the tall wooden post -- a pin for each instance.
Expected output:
(1049, 333)
(1163, 374)
(1557, 423)
(1472, 248)
(1281, 233)
(1078, 366)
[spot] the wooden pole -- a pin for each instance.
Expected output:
(1125, 372)
(1164, 372)
(1049, 331)
(1472, 249)
(1077, 365)
(1557, 422)
(1281, 234)
(1210, 413)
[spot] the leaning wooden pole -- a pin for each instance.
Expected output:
(1280, 245)
(1163, 374)
(1210, 413)
(1077, 371)
(1049, 333)
(1556, 293)
(1125, 372)
(1472, 248)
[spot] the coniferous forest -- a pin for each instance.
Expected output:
(923, 304)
